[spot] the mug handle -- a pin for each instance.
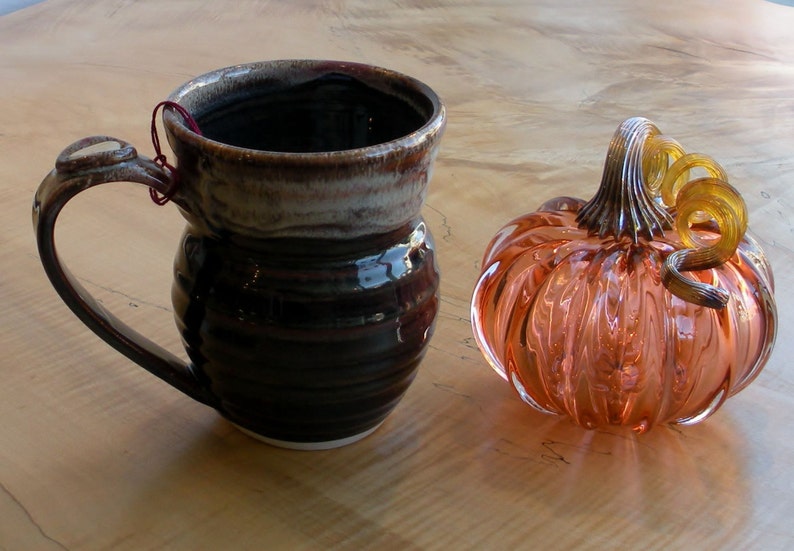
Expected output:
(84, 164)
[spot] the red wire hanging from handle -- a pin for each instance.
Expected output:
(160, 158)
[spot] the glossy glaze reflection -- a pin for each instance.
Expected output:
(307, 340)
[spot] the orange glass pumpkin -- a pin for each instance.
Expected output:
(648, 304)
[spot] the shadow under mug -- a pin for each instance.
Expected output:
(305, 285)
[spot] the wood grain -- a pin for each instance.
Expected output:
(97, 454)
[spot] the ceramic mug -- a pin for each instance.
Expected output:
(305, 285)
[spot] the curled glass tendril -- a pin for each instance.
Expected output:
(646, 189)
(699, 204)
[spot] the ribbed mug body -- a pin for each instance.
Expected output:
(306, 282)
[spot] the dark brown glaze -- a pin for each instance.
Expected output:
(307, 340)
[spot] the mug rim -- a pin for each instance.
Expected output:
(430, 130)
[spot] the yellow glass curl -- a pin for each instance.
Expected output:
(678, 174)
(719, 202)
(711, 216)
(660, 152)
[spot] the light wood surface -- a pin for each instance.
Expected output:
(97, 454)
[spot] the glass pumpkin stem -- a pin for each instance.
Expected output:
(623, 205)
(646, 182)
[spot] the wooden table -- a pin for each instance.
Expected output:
(97, 454)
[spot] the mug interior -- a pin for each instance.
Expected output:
(308, 107)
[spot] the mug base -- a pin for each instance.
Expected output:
(309, 446)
